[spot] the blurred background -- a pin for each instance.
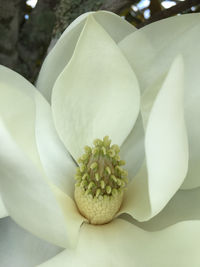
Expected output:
(27, 27)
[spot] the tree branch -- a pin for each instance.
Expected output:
(117, 6)
(180, 7)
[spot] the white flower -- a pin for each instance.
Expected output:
(94, 92)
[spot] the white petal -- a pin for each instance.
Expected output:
(183, 206)
(60, 55)
(121, 244)
(65, 259)
(19, 248)
(55, 159)
(148, 98)
(28, 118)
(24, 186)
(136, 199)
(132, 150)
(3, 211)
(154, 48)
(29, 200)
(73, 218)
(166, 140)
(17, 111)
(166, 151)
(97, 94)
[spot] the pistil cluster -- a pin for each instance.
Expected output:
(100, 181)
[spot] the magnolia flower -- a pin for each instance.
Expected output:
(104, 77)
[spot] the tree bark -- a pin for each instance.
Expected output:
(34, 38)
(117, 6)
(11, 18)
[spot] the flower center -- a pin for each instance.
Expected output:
(100, 182)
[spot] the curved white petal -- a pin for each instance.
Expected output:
(95, 93)
(17, 111)
(65, 258)
(29, 199)
(166, 143)
(73, 218)
(24, 186)
(3, 211)
(148, 98)
(154, 48)
(166, 151)
(56, 161)
(19, 248)
(27, 117)
(136, 199)
(60, 55)
(183, 206)
(132, 150)
(121, 244)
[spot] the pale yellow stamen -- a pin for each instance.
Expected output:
(100, 182)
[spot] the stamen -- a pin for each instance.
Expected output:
(100, 181)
